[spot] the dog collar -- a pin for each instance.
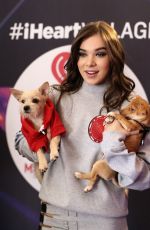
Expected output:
(145, 129)
(43, 130)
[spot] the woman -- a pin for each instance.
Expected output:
(95, 84)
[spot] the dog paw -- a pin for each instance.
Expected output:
(88, 188)
(77, 175)
(111, 114)
(43, 167)
(110, 118)
(54, 156)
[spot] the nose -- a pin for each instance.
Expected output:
(91, 60)
(27, 108)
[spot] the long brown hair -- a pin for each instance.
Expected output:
(120, 85)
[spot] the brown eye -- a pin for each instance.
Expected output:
(101, 54)
(35, 100)
(81, 54)
(22, 101)
(132, 110)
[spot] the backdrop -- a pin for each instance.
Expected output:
(35, 38)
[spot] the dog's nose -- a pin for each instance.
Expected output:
(27, 108)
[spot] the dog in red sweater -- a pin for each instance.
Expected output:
(41, 124)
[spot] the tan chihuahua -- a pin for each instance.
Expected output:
(41, 124)
(136, 116)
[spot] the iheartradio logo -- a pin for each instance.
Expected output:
(58, 66)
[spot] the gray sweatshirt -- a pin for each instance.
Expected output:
(78, 153)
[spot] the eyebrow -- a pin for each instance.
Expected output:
(98, 49)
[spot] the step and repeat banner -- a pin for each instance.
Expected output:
(35, 39)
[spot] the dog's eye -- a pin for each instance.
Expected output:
(132, 109)
(22, 101)
(144, 113)
(35, 100)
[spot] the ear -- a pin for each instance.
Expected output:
(16, 93)
(136, 97)
(44, 88)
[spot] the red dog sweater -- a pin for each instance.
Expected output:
(38, 139)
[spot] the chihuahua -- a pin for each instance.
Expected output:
(41, 124)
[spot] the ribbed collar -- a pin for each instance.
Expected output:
(94, 89)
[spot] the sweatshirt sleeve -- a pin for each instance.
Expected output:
(133, 170)
(23, 149)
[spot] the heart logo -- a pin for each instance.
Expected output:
(58, 66)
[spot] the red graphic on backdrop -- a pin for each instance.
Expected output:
(58, 66)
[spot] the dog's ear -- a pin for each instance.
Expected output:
(44, 88)
(16, 93)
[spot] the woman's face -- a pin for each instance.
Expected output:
(93, 63)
